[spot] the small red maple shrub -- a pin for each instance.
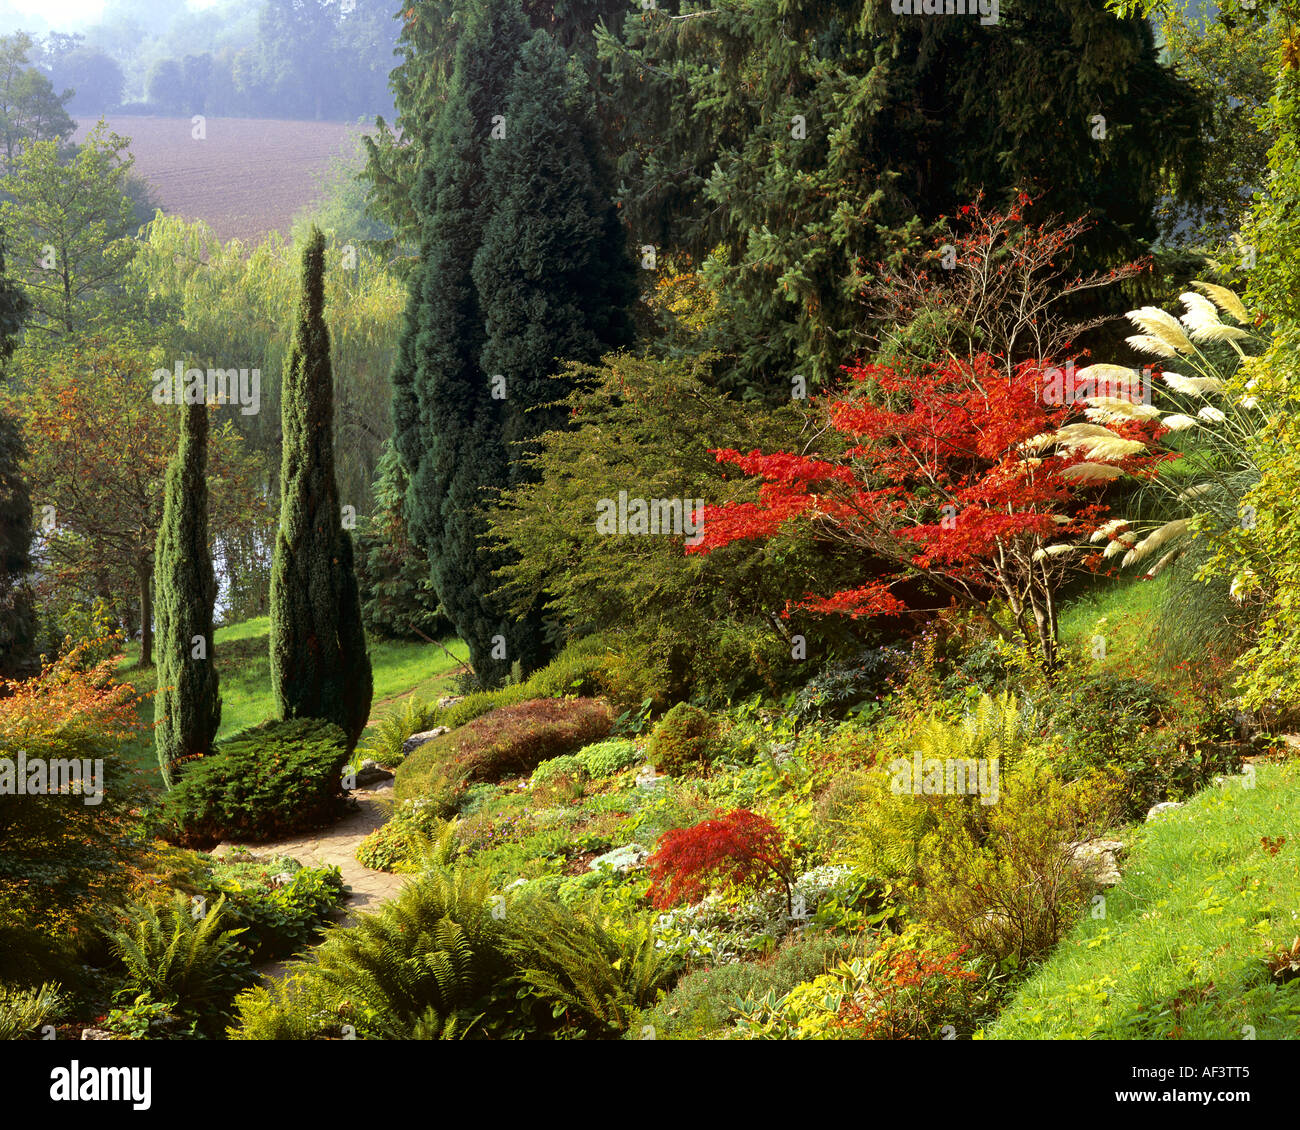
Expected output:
(741, 848)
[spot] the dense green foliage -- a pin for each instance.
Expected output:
(260, 784)
(790, 148)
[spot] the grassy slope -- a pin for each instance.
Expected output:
(244, 663)
(1178, 952)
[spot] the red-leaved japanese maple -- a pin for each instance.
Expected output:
(945, 478)
(741, 848)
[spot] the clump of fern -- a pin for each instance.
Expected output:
(22, 1011)
(598, 971)
(413, 970)
(178, 957)
(886, 829)
(384, 745)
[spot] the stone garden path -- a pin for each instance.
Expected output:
(337, 846)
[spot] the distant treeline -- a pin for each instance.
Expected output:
(313, 59)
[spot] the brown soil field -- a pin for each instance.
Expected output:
(247, 177)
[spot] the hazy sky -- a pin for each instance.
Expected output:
(74, 11)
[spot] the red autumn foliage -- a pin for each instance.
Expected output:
(907, 989)
(741, 848)
(936, 483)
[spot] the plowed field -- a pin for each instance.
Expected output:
(247, 177)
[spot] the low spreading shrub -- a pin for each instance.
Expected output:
(554, 769)
(277, 919)
(1010, 889)
(414, 833)
(682, 740)
(705, 1001)
(593, 762)
(903, 988)
(1105, 715)
(510, 740)
(266, 782)
(604, 759)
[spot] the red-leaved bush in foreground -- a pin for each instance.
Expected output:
(741, 848)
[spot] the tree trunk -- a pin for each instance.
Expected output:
(145, 573)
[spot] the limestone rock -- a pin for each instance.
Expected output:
(415, 741)
(1163, 806)
(1099, 859)
(648, 778)
(370, 773)
(630, 857)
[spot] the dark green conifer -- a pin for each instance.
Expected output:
(187, 707)
(319, 664)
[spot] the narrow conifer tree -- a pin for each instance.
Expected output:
(319, 664)
(525, 267)
(187, 707)
(17, 617)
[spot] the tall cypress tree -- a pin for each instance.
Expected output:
(554, 278)
(447, 427)
(187, 707)
(319, 664)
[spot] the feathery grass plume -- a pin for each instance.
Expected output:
(1108, 408)
(1146, 343)
(1159, 566)
(1108, 529)
(1219, 332)
(1091, 472)
(1195, 491)
(1200, 312)
(1119, 545)
(1112, 448)
(1039, 441)
(1054, 550)
(1154, 541)
(1214, 415)
(1159, 324)
(1225, 299)
(1075, 435)
(1192, 386)
(1116, 378)
(1177, 422)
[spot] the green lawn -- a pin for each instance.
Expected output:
(1178, 953)
(1124, 610)
(243, 661)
